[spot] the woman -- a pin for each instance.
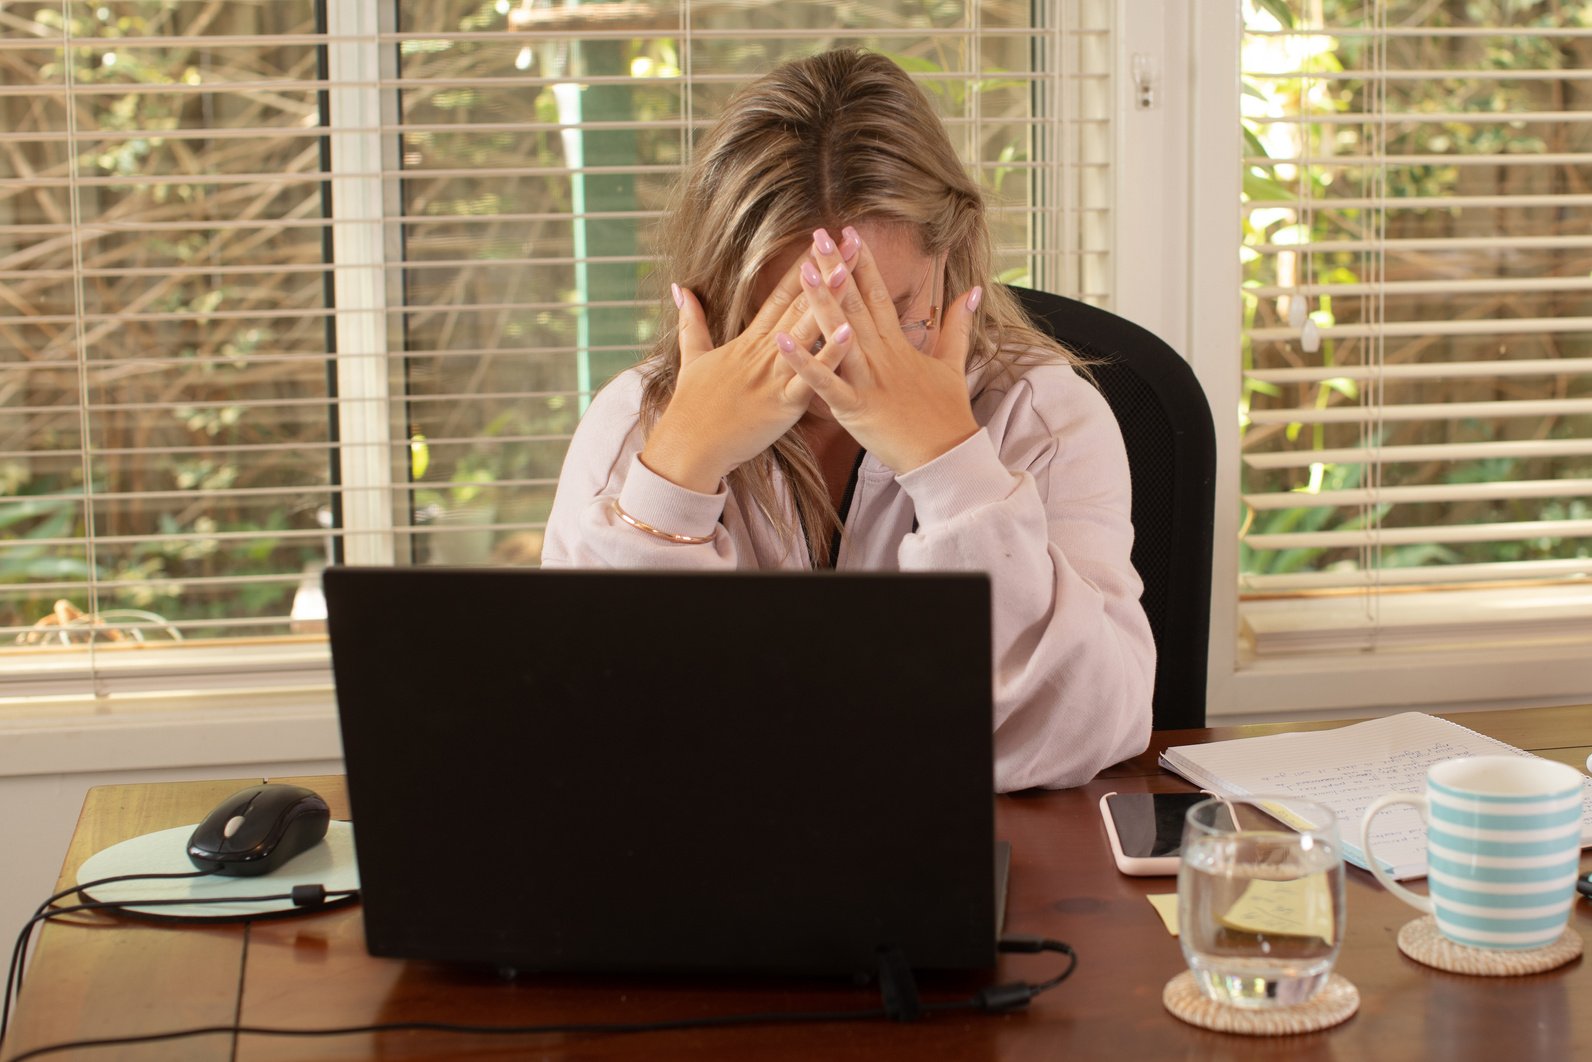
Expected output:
(813, 407)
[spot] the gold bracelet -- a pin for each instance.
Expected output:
(667, 536)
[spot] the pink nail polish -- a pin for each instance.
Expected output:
(786, 343)
(837, 276)
(974, 297)
(679, 297)
(810, 275)
(843, 334)
(824, 243)
(850, 245)
(851, 235)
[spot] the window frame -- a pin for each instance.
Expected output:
(1549, 670)
(154, 688)
(1177, 165)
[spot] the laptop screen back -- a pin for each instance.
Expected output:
(645, 771)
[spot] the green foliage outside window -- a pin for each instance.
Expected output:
(199, 384)
(1333, 115)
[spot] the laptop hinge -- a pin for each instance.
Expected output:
(897, 985)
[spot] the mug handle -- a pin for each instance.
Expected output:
(1415, 900)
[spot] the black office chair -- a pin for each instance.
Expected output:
(1171, 442)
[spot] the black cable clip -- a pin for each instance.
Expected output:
(308, 895)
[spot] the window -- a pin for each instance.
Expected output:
(292, 282)
(1416, 405)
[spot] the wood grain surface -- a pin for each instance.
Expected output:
(115, 977)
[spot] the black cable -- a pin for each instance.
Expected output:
(1072, 964)
(627, 1028)
(995, 999)
(187, 901)
(721, 1021)
(301, 895)
(1014, 996)
(14, 971)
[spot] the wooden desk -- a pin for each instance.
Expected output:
(105, 977)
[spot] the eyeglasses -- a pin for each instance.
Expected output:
(917, 331)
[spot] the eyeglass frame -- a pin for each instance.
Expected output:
(919, 327)
(923, 326)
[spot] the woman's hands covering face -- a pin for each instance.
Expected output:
(732, 402)
(904, 406)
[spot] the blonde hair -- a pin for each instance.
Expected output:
(829, 140)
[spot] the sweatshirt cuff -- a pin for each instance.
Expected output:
(967, 476)
(668, 506)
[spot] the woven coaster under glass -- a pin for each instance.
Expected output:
(1422, 941)
(1336, 1002)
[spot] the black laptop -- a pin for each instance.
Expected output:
(661, 772)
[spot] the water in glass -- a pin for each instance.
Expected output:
(1260, 906)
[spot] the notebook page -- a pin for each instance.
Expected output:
(1347, 769)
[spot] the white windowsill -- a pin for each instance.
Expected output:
(1434, 650)
(157, 706)
(159, 667)
(154, 731)
(1452, 619)
(1361, 684)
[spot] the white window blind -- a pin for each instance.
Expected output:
(293, 282)
(1418, 318)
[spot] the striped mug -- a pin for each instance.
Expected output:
(1503, 843)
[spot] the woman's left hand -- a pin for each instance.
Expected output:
(903, 405)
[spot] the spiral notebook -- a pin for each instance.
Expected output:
(1346, 769)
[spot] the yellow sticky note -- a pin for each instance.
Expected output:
(1301, 907)
(1281, 813)
(1165, 905)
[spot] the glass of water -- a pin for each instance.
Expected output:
(1260, 899)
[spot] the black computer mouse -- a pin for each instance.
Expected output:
(256, 830)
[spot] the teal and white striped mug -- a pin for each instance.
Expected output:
(1503, 844)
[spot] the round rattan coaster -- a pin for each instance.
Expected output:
(1336, 1002)
(1422, 941)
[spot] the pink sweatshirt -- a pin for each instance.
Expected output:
(1039, 499)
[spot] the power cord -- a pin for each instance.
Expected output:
(901, 1003)
(300, 895)
(1001, 998)
(14, 971)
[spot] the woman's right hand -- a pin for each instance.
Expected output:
(731, 403)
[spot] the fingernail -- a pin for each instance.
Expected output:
(837, 276)
(810, 275)
(974, 297)
(786, 343)
(843, 334)
(679, 296)
(850, 245)
(825, 244)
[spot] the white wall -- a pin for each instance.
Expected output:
(41, 812)
(49, 761)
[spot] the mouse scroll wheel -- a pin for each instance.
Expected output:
(232, 826)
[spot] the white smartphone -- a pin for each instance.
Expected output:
(1146, 829)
